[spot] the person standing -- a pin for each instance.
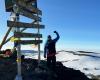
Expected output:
(50, 50)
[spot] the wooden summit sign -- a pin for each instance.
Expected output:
(27, 8)
(23, 25)
(24, 8)
(27, 35)
(26, 42)
(32, 7)
(28, 14)
(24, 4)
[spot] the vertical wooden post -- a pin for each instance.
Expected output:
(39, 57)
(18, 76)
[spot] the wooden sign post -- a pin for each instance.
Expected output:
(27, 8)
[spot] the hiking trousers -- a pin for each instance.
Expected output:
(51, 61)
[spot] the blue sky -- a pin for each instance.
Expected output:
(77, 21)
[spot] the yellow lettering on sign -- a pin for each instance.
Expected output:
(18, 60)
(14, 39)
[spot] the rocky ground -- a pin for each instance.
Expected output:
(30, 71)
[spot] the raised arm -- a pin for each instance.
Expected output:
(57, 38)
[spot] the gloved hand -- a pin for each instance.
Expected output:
(55, 31)
(44, 56)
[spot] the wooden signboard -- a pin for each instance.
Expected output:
(29, 7)
(26, 42)
(24, 4)
(23, 25)
(29, 14)
(27, 35)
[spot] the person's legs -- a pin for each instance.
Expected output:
(53, 62)
(49, 61)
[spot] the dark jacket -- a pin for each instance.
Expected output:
(50, 46)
